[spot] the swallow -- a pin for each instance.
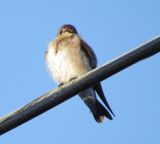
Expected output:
(67, 57)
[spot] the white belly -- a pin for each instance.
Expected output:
(67, 63)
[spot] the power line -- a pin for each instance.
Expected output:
(59, 95)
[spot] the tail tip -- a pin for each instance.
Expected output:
(100, 119)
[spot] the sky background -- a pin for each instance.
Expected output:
(111, 27)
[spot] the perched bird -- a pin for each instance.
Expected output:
(69, 57)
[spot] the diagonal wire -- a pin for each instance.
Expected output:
(59, 95)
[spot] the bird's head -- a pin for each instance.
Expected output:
(67, 29)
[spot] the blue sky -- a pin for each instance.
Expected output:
(111, 28)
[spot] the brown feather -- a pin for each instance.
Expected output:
(89, 53)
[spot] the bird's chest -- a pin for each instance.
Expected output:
(67, 63)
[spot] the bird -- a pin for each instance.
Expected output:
(68, 57)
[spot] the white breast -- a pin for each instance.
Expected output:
(67, 63)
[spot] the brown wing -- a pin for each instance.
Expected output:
(93, 62)
(89, 53)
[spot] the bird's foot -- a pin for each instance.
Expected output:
(63, 83)
(72, 79)
(60, 84)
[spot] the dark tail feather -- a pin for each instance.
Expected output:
(97, 109)
(98, 89)
(100, 112)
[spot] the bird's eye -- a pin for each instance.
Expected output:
(71, 30)
(60, 32)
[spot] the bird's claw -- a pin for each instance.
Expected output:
(60, 84)
(72, 79)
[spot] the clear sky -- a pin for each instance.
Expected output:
(111, 27)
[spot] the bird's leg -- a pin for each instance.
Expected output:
(60, 84)
(72, 79)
